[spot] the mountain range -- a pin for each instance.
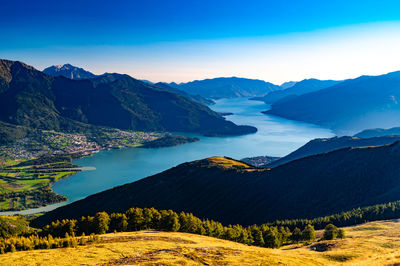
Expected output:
(378, 132)
(227, 87)
(324, 145)
(298, 88)
(349, 106)
(233, 192)
(31, 98)
(288, 84)
(196, 98)
(73, 72)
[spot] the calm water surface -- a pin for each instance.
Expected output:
(275, 137)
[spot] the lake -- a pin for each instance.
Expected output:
(275, 137)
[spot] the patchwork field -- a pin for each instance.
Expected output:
(27, 183)
(375, 243)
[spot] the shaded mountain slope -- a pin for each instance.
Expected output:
(288, 84)
(234, 192)
(196, 98)
(299, 88)
(227, 87)
(377, 132)
(324, 145)
(31, 98)
(76, 73)
(353, 105)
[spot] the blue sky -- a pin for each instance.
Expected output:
(184, 40)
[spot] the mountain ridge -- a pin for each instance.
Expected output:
(299, 88)
(349, 106)
(324, 145)
(227, 87)
(32, 98)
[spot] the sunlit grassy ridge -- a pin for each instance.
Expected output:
(375, 243)
(229, 163)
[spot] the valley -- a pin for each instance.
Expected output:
(275, 136)
(200, 133)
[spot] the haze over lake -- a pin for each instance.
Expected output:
(275, 137)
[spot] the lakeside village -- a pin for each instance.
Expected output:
(51, 142)
(30, 165)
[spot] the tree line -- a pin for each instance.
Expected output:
(385, 211)
(135, 219)
(64, 233)
(271, 235)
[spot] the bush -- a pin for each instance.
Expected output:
(332, 232)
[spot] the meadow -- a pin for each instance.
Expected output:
(374, 243)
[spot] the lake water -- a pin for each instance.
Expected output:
(275, 137)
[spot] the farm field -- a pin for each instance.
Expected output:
(26, 183)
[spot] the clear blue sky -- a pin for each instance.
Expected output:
(184, 40)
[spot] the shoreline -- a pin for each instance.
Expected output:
(76, 169)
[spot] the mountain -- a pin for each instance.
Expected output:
(30, 98)
(227, 87)
(317, 146)
(299, 88)
(288, 84)
(233, 192)
(352, 105)
(377, 132)
(196, 98)
(68, 71)
(73, 72)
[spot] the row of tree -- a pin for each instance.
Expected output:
(63, 233)
(355, 216)
(12, 244)
(136, 219)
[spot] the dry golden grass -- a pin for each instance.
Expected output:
(376, 243)
(230, 163)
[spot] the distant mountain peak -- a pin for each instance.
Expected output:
(68, 71)
(65, 66)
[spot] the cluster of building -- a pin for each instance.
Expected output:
(51, 142)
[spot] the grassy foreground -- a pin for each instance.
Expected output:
(375, 243)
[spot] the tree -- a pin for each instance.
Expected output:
(118, 222)
(101, 222)
(296, 235)
(341, 234)
(135, 219)
(331, 232)
(272, 238)
(169, 221)
(308, 234)
(257, 236)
